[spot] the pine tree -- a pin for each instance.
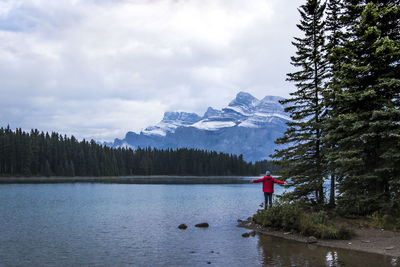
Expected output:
(334, 38)
(47, 169)
(302, 160)
(364, 104)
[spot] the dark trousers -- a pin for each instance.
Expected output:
(268, 199)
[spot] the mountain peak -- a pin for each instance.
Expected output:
(211, 112)
(244, 99)
(182, 117)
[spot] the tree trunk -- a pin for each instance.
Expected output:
(332, 191)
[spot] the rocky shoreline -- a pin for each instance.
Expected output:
(369, 240)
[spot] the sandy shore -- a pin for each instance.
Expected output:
(366, 239)
(130, 180)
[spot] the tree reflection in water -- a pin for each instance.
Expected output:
(280, 252)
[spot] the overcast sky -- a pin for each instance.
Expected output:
(99, 68)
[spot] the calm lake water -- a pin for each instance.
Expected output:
(136, 225)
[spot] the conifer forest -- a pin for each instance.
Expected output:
(346, 107)
(43, 154)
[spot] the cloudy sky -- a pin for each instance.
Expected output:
(99, 68)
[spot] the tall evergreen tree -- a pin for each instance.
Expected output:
(365, 121)
(302, 161)
(334, 39)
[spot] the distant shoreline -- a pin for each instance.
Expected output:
(142, 179)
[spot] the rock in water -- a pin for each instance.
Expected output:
(202, 225)
(246, 234)
(182, 226)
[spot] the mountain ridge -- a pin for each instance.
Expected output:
(247, 126)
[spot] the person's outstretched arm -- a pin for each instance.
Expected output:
(278, 182)
(257, 181)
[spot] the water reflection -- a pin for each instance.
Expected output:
(279, 252)
(332, 258)
(136, 225)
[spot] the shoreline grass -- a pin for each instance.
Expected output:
(296, 218)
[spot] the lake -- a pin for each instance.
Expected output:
(85, 224)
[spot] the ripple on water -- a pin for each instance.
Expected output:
(117, 224)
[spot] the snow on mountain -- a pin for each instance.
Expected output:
(244, 111)
(212, 113)
(171, 121)
(247, 126)
(244, 99)
(270, 106)
(213, 125)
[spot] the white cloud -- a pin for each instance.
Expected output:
(97, 69)
(85, 118)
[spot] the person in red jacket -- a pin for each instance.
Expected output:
(268, 187)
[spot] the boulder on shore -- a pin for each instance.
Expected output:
(182, 226)
(312, 239)
(202, 225)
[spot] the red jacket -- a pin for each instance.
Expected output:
(268, 183)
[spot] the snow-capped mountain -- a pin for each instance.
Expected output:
(171, 121)
(244, 111)
(247, 126)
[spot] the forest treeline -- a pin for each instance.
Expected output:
(346, 108)
(37, 153)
